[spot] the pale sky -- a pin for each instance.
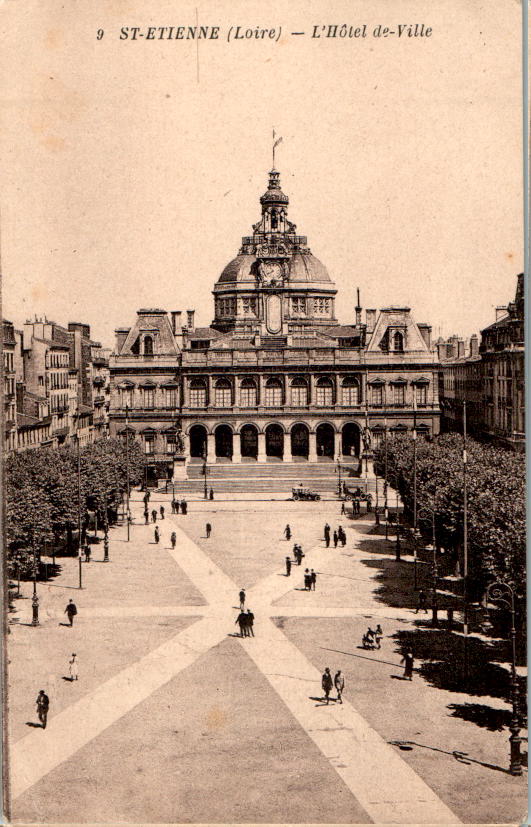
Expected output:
(127, 183)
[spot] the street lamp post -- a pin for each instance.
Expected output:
(386, 505)
(428, 513)
(394, 479)
(339, 483)
(415, 585)
(205, 471)
(105, 529)
(501, 592)
(34, 599)
(128, 492)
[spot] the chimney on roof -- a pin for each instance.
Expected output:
(358, 308)
(460, 348)
(501, 311)
(474, 345)
(190, 319)
(176, 321)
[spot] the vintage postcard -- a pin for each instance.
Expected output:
(263, 278)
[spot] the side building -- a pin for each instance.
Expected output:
(489, 378)
(275, 377)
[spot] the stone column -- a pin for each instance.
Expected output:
(211, 448)
(261, 448)
(312, 453)
(236, 448)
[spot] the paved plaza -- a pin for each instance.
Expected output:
(177, 719)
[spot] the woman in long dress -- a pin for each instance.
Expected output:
(72, 667)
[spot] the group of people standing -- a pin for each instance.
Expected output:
(338, 536)
(245, 619)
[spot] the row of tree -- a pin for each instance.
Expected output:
(496, 501)
(46, 491)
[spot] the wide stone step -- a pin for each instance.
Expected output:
(269, 470)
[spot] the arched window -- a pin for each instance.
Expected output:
(273, 393)
(248, 396)
(421, 393)
(126, 396)
(324, 393)
(148, 345)
(350, 391)
(299, 392)
(222, 394)
(398, 342)
(198, 394)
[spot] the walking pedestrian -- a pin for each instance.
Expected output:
(173, 539)
(176, 505)
(326, 683)
(250, 622)
(87, 553)
(339, 683)
(43, 705)
(72, 667)
(336, 538)
(313, 579)
(154, 515)
(408, 660)
(241, 620)
(288, 566)
(208, 530)
(242, 599)
(421, 602)
(378, 635)
(71, 611)
(342, 535)
(184, 507)
(343, 509)
(307, 580)
(157, 534)
(287, 532)
(327, 535)
(146, 517)
(211, 494)
(162, 512)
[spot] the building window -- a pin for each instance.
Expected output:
(126, 397)
(399, 394)
(149, 443)
(321, 306)
(222, 394)
(350, 391)
(398, 342)
(299, 393)
(421, 394)
(170, 443)
(248, 396)
(170, 395)
(148, 345)
(249, 306)
(298, 306)
(227, 307)
(198, 395)
(148, 397)
(378, 437)
(324, 393)
(273, 393)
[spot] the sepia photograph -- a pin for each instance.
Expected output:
(264, 472)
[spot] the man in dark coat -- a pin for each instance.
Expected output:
(307, 580)
(43, 705)
(241, 620)
(154, 515)
(162, 512)
(408, 660)
(157, 534)
(242, 599)
(71, 611)
(422, 602)
(208, 530)
(250, 622)
(336, 538)
(326, 683)
(288, 566)
(313, 579)
(327, 535)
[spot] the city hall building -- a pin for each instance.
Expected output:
(275, 378)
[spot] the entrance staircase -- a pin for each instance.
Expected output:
(268, 477)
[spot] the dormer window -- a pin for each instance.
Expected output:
(148, 345)
(398, 342)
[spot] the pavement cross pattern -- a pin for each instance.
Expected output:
(385, 786)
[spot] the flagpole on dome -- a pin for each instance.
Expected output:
(275, 144)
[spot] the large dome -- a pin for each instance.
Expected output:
(239, 269)
(306, 267)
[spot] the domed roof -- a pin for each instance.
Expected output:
(239, 269)
(307, 267)
(274, 196)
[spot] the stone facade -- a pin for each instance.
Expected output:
(275, 377)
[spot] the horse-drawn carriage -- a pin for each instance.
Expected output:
(301, 493)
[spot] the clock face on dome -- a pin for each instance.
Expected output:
(271, 272)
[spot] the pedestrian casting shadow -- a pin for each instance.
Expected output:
(321, 701)
(60, 586)
(68, 678)
(34, 725)
(399, 678)
(68, 626)
(462, 757)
